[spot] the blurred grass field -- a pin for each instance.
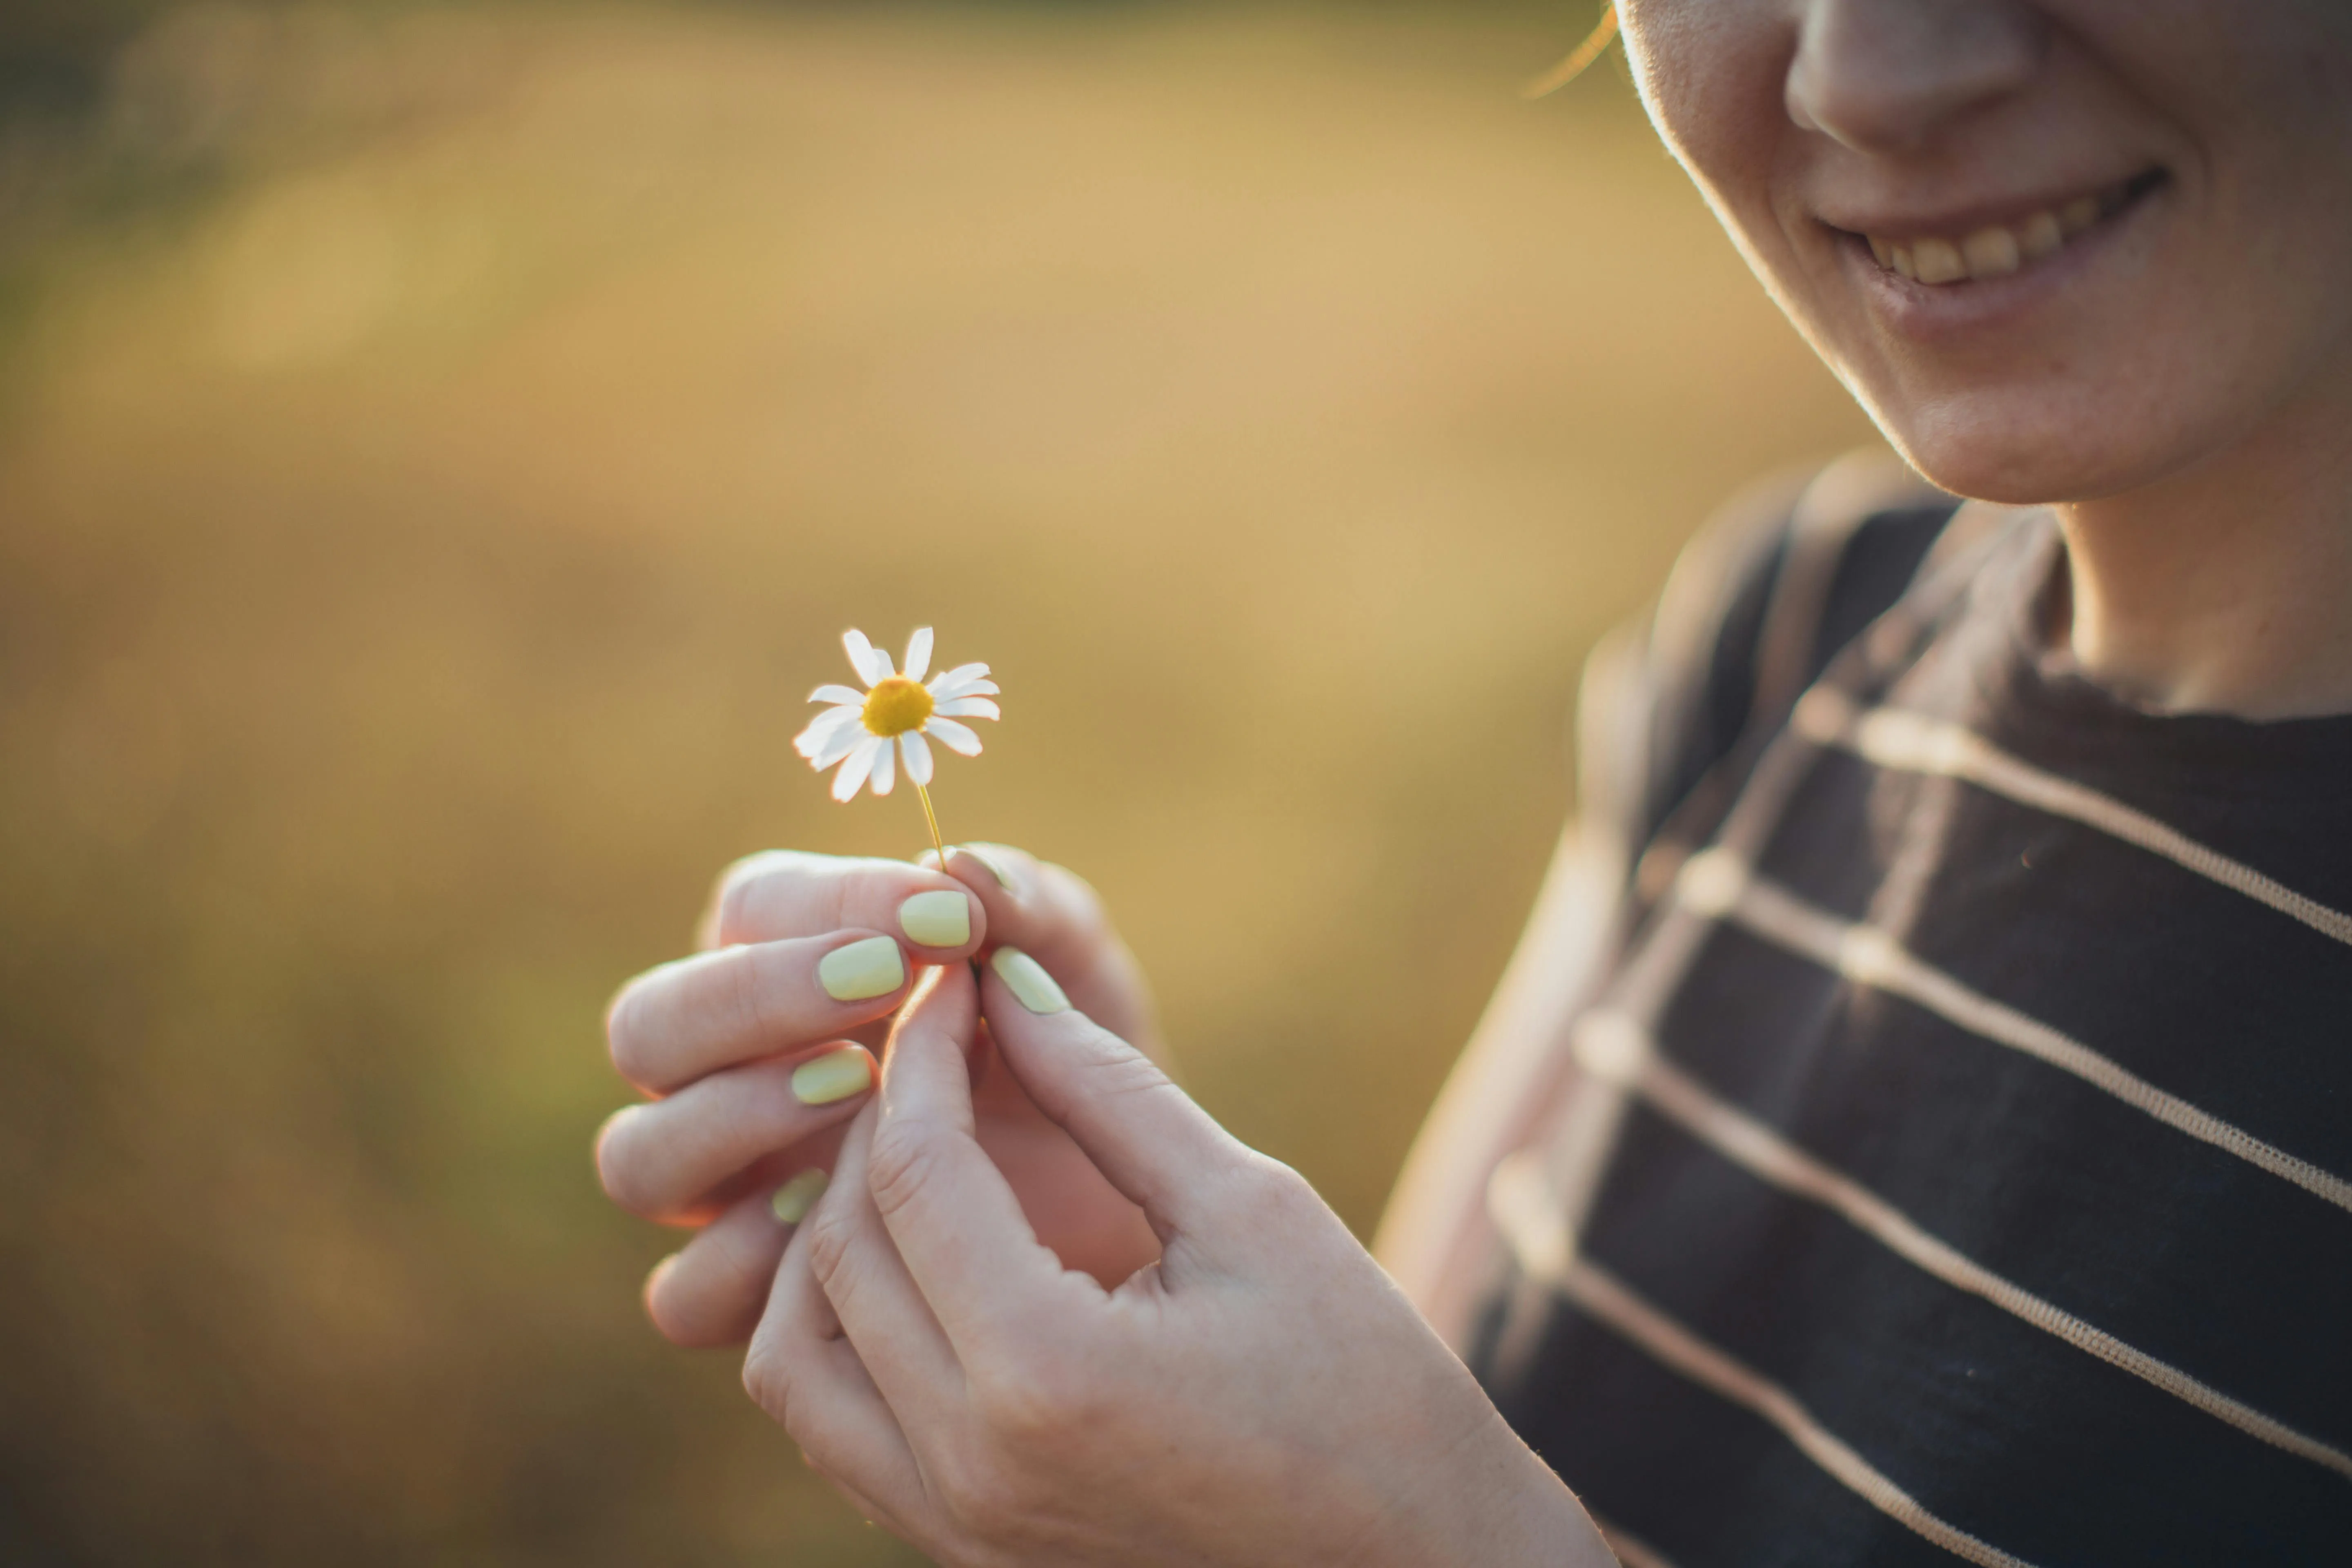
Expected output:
(439, 449)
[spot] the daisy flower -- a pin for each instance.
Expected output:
(871, 733)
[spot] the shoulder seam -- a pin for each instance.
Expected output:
(1844, 497)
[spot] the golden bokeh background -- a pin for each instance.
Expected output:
(439, 446)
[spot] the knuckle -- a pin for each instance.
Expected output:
(618, 1168)
(828, 1235)
(726, 896)
(671, 1310)
(624, 1028)
(751, 1002)
(767, 1378)
(737, 1257)
(709, 1306)
(738, 890)
(1263, 1185)
(742, 995)
(899, 1163)
(1112, 1070)
(1115, 1068)
(835, 898)
(1075, 899)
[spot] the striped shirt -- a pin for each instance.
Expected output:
(1956, 1160)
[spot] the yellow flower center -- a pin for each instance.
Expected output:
(896, 705)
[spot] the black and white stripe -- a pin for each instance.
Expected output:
(1959, 1143)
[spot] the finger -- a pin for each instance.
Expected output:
(953, 1217)
(713, 1291)
(1055, 916)
(665, 1159)
(1156, 1146)
(1087, 1222)
(811, 1382)
(783, 893)
(674, 1023)
(877, 1302)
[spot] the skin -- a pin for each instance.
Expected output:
(711, 1041)
(1049, 1313)
(1034, 1239)
(1263, 1394)
(2180, 383)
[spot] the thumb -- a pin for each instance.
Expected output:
(1148, 1138)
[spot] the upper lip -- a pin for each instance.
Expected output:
(1965, 218)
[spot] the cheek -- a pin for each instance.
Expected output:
(1712, 75)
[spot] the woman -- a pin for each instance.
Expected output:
(1916, 1124)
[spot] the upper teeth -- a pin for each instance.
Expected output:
(1994, 251)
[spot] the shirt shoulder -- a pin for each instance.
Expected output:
(1763, 596)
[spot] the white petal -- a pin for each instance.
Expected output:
(953, 736)
(969, 707)
(960, 676)
(870, 662)
(856, 699)
(823, 725)
(852, 776)
(833, 718)
(838, 745)
(917, 755)
(884, 768)
(946, 690)
(918, 654)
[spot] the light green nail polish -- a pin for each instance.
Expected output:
(1027, 980)
(863, 969)
(837, 1075)
(796, 1197)
(990, 862)
(937, 919)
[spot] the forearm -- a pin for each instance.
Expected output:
(1435, 1228)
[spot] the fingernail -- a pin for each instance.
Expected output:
(995, 865)
(937, 919)
(837, 1075)
(863, 969)
(796, 1197)
(1027, 980)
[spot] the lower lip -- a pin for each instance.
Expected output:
(1945, 311)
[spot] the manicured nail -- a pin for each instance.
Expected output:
(995, 864)
(1027, 980)
(863, 969)
(937, 919)
(796, 1197)
(837, 1075)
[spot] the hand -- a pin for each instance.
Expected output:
(1264, 1395)
(756, 1062)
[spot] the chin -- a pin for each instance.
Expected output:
(2028, 450)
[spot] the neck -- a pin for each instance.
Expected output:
(2226, 588)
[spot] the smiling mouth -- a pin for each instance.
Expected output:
(1998, 249)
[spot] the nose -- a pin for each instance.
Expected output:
(1883, 76)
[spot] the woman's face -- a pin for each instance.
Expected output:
(2059, 248)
